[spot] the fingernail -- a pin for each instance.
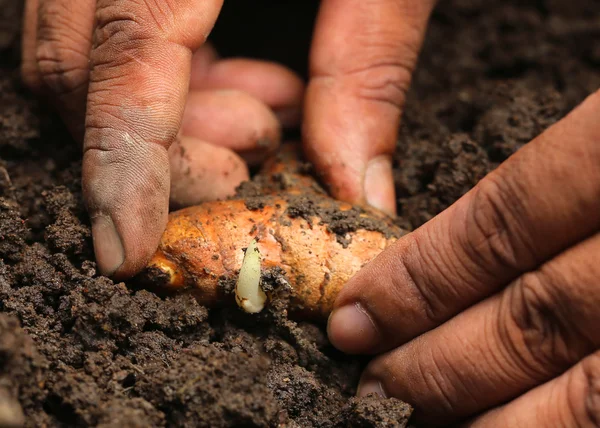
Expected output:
(370, 386)
(351, 329)
(379, 185)
(108, 247)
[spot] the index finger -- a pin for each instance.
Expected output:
(362, 58)
(138, 83)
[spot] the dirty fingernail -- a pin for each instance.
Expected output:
(108, 247)
(351, 329)
(370, 386)
(379, 185)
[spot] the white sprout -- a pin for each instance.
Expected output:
(248, 294)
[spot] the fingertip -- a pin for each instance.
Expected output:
(126, 192)
(378, 185)
(275, 85)
(369, 385)
(362, 58)
(351, 140)
(202, 60)
(351, 330)
(232, 119)
(352, 169)
(108, 247)
(123, 246)
(202, 171)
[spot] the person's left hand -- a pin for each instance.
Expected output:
(162, 119)
(490, 312)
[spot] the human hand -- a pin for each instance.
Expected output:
(490, 310)
(125, 70)
(158, 99)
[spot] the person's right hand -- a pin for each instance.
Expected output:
(488, 313)
(164, 114)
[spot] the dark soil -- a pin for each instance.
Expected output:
(77, 349)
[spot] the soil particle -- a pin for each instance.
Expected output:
(234, 383)
(312, 205)
(519, 115)
(372, 411)
(78, 349)
(341, 223)
(21, 371)
(66, 234)
(11, 414)
(12, 230)
(255, 203)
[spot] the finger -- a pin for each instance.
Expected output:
(138, 86)
(273, 84)
(202, 60)
(540, 201)
(232, 119)
(29, 70)
(362, 58)
(571, 400)
(202, 171)
(499, 349)
(64, 31)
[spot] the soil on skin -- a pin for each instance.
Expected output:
(77, 349)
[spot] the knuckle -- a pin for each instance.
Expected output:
(162, 14)
(183, 22)
(120, 35)
(388, 71)
(434, 304)
(591, 372)
(495, 230)
(384, 73)
(435, 375)
(157, 17)
(121, 144)
(585, 146)
(541, 328)
(62, 69)
(385, 83)
(60, 53)
(105, 110)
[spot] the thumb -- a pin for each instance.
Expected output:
(138, 84)
(362, 58)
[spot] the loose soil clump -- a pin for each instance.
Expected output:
(78, 349)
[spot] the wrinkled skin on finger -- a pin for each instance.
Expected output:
(362, 58)
(126, 76)
(495, 300)
(138, 98)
